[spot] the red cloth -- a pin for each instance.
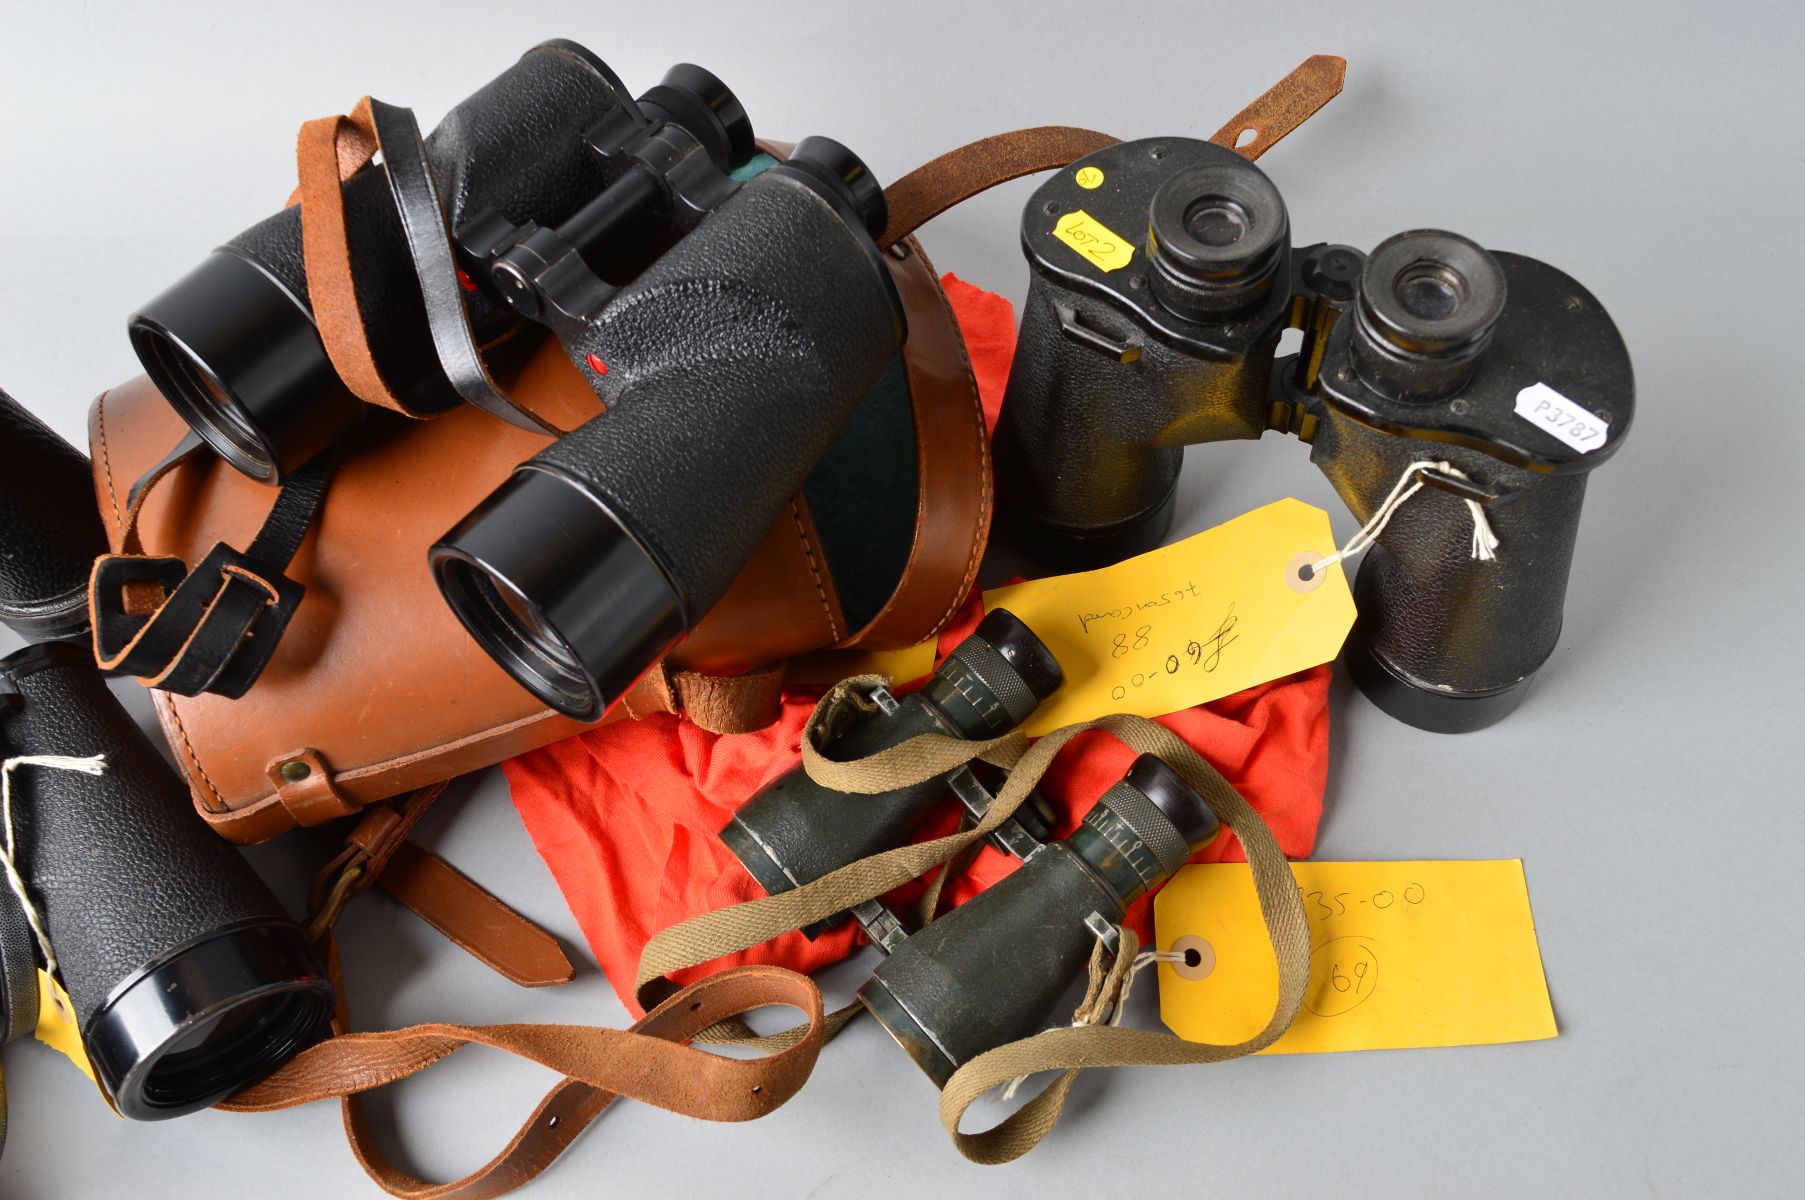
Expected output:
(626, 814)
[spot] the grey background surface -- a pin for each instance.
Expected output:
(1650, 782)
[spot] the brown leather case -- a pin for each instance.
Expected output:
(376, 689)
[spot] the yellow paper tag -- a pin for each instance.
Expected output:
(1105, 248)
(826, 667)
(1403, 954)
(1188, 623)
(56, 1023)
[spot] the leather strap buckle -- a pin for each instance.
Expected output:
(214, 630)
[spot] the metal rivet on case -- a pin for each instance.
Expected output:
(294, 771)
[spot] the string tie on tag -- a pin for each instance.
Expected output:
(1106, 999)
(95, 765)
(1484, 546)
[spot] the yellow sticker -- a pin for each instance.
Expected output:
(826, 667)
(1089, 177)
(1188, 623)
(1403, 955)
(1095, 240)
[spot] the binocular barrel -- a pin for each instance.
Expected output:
(1446, 341)
(1430, 349)
(1109, 380)
(994, 969)
(189, 981)
(233, 345)
(50, 530)
(795, 831)
(726, 369)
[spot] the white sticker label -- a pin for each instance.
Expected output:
(1542, 405)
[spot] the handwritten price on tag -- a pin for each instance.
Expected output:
(1188, 623)
(1205, 654)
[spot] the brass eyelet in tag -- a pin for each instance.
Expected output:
(1199, 957)
(1295, 577)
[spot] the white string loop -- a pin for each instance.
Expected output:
(1484, 546)
(95, 765)
(1107, 1010)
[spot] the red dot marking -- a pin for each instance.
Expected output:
(596, 364)
(465, 282)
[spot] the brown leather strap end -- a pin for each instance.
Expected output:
(1284, 106)
(717, 703)
(936, 186)
(477, 921)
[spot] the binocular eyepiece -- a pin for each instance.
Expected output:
(794, 831)
(994, 969)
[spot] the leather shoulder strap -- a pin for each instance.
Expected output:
(651, 1062)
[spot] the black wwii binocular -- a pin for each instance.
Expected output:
(1029, 934)
(730, 312)
(1136, 344)
(188, 980)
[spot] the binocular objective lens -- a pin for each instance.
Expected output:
(1430, 291)
(516, 629)
(203, 402)
(246, 1041)
(1217, 221)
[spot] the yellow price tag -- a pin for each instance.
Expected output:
(1188, 623)
(1403, 955)
(1099, 244)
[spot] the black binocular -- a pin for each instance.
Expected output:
(730, 312)
(188, 980)
(994, 969)
(1163, 277)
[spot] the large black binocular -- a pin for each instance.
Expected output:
(1163, 277)
(729, 310)
(188, 980)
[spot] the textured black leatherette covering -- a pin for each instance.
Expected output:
(50, 530)
(732, 363)
(1428, 609)
(1427, 606)
(1088, 442)
(515, 146)
(119, 865)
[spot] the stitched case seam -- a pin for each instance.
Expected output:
(833, 626)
